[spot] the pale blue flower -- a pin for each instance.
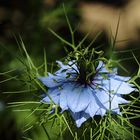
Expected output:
(102, 94)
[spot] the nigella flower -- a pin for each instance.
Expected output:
(84, 94)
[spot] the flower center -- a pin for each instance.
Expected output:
(86, 72)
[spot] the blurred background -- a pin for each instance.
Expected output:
(31, 20)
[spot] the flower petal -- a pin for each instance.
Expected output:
(107, 101)
(54, 95)
(80, 117)
(121, 78)
(102, 98)
(93, 106)
(120, 87)
(101, 112)
(100, 65)
(52, 81)
(63, 100)
(121, 100)
(77, 97)
(66, 69)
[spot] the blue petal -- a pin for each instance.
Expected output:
(117, 111)
(80, 117)
(101, 67)
(102, 98)
(115, 83)
(101, 112)
(121, 78)
(77, 97)
(63, 100)
(73, 65)
(113, 103)
(118, 86)
(54, 95)
(65, 69)
(121, 100)
(106, 101)
(52, 81)
(93, 106)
